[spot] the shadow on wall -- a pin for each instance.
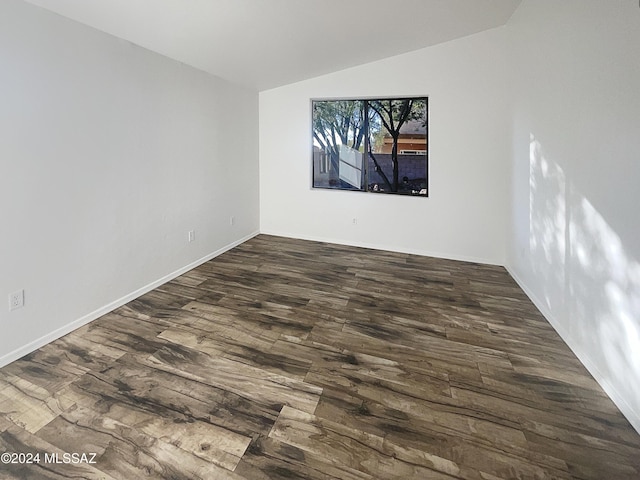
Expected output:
(588, 280)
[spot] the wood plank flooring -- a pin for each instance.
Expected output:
(288, 359)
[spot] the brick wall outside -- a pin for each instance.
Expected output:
(412, 166)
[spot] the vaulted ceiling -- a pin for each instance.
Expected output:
(267, 43)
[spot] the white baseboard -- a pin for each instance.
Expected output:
(70, 327)
(615, 396)
(388, 248)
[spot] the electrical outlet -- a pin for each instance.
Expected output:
(232, 220)
(355, 221)
(191, 235)
(16, 300)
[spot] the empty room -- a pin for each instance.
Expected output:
(320, 239)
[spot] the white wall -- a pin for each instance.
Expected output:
(465, 214)
(575, 229)
(109, 155)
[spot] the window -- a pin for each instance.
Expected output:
(371, 145)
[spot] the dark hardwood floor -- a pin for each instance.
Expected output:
(288, 359)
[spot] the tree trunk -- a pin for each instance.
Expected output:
(394, 163)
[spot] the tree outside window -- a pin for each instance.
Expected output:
(373, 145)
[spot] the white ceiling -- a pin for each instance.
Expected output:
(267, 43)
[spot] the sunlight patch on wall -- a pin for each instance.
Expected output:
(605, 291)
(547, 223)
(587, 279)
